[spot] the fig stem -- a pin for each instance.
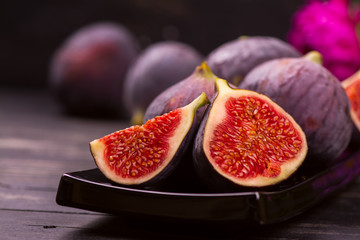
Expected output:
(242, 37)
(357, 31)
(222, 85)
(314, 56)
(205, 71)
(137, 117)
(200, 101)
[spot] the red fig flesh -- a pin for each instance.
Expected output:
(352, 89)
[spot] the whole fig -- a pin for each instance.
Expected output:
(183, 92)
(313, 96)
(234, 59)
(87, 72)
(158, 67)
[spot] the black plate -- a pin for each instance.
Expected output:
(90, 190)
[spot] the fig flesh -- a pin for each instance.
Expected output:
(158, 67)
(313, 97)
(233, 60)
(88, 70)
(183, 92)
(145, 155)
(352, 89)
(247, 140)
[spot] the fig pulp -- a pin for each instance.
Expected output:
(313, 97)
(183, 92)
(144, 155)
(352, 89)
(158, 67)
(247, 140)
(234, 59)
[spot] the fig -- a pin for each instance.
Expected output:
(233, 60)
(246, 140)
(145, 155)
(158, 67)
(182, 93)
(352, 89)
(88, 70)
(313, 97)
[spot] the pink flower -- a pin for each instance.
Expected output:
(329, 27)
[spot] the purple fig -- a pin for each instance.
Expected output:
(157, 68)
(88, 70)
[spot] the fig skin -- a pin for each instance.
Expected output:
(88, 70)
(183, 92)
(235, 59)
(314, 98)
(218, 180)
(178, 144)
(158, 67)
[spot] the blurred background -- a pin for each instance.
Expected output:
(32, 30)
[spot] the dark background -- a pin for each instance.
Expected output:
(32, 30)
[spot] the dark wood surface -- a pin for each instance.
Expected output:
(38, 143)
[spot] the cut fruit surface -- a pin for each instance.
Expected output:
(352, 89)
(142, 153)
(250, 140)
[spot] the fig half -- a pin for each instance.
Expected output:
(146, 154)
(351, 86)
(233, 60)
(247, 140)
(352, 89)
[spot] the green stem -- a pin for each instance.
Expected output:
(200, 101)
(206, 72)
(137, 117)
(314, 56)
(221, 85)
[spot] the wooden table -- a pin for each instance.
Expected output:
(38, 143)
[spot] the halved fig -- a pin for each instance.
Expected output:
(352, 89)
(247, 140)
(146, 154)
